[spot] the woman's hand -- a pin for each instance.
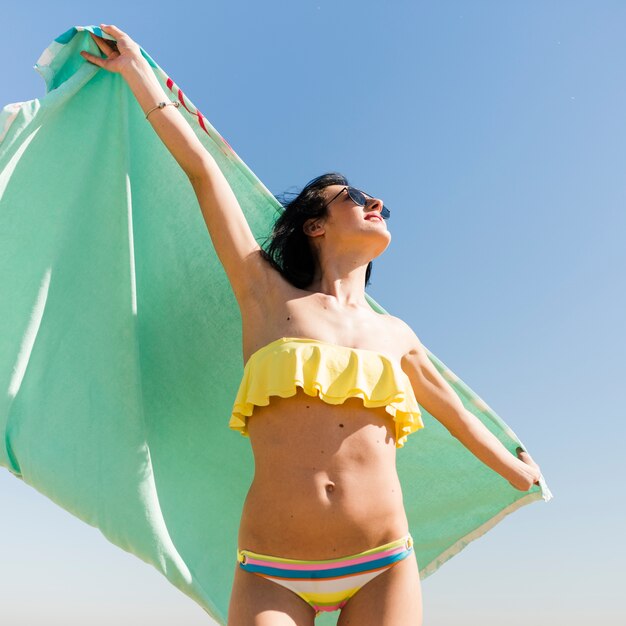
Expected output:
(120, 54)
(530, 475)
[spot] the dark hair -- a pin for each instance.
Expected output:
(289, 250)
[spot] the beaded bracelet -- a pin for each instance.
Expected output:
(162, 105)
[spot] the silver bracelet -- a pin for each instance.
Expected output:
(162, 105)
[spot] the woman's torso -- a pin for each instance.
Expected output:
(325, 481)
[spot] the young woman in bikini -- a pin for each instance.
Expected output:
(330, 390)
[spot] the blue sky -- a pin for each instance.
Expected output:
(495, 132)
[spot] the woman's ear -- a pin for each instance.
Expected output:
(313, 227)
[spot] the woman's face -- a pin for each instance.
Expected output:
(346, 220)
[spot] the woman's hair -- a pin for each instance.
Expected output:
(289, 250)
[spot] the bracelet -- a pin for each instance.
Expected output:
(162, 105)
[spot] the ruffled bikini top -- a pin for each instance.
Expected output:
(330, 371)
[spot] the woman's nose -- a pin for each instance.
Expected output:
(374, 203)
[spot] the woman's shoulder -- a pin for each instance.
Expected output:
(396, 324)
(405, 335)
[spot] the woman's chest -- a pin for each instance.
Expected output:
(314, 318)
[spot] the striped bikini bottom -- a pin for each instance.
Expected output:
(327, 585)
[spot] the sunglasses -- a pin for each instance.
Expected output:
(360, 198)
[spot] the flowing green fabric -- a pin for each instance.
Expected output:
(120, 340)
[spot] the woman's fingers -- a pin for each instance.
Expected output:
(526, 458)
(103, 44)
(124, 44)
(91, 58)
(96, 60)
(114, 30)
(118, 55)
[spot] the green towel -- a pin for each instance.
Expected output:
(120, 343)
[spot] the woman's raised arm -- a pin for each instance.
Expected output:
(230, 233)
(435, 394)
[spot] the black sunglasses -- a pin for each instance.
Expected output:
(359, 197)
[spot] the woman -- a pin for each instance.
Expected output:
(330, 390)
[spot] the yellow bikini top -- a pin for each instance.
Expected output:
(333, 373)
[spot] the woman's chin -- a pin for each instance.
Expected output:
(383, 244)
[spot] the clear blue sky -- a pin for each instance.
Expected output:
(496, 132)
